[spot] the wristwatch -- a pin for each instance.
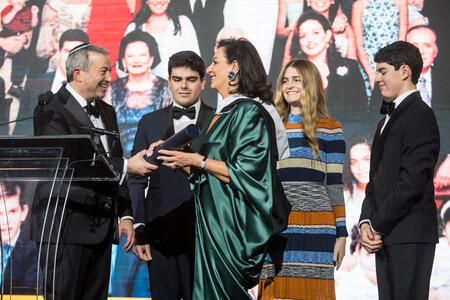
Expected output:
(203, 163)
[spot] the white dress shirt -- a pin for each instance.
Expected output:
(397, 102)
(58, 81)
(184, 120)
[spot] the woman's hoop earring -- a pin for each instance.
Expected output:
(231, 75)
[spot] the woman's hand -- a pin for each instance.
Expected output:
(339, 252)
(152, 147)
(339, 23)
(179, 159)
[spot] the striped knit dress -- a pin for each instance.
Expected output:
(299, 263)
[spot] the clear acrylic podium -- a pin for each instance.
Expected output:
(44, 167)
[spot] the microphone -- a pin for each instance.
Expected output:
(176, 142)
(44, 98)
(101, 131)
(95, 130)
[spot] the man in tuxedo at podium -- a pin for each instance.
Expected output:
(93, 208)
(398, 220)
(168, 208)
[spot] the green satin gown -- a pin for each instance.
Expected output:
(233, 221)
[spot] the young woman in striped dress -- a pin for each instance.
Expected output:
(300, 262)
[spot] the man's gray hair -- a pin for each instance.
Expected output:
(80, 59)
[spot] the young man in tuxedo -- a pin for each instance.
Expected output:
(168, 209)
(398, 220)
(93, 208)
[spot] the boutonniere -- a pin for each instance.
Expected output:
(342, 70)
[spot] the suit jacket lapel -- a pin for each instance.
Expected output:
(108, 120)
(376, 150)
(168, 119)
(78, 112)
(204, 117)
(74, 107)
(380, 139)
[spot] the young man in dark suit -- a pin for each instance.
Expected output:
(93, 208)
(19, 253)
(398, 220)
(168, 209)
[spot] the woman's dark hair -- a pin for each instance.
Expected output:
(252, 78)
(296, 52)
(332, 11)
(139, 36)
(347, 177)
(145, 12)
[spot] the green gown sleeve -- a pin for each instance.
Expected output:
(233, 222)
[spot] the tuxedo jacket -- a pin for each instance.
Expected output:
(399, 198)
(168, 204)
(344, 73)
(23, 266)
(92, 207)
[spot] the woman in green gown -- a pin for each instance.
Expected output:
(231, 174)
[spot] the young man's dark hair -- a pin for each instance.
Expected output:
(402, 53)
(9, 188)
(187, 59)
(73, 35)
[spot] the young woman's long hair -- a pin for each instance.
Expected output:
(144, 13)
(312, 99)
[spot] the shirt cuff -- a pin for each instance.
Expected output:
(370, 224)
(124, 171)
(127, 218)
(138, 225)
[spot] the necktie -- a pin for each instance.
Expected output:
(387, 107)
(198, 7)
(424, 91)
(92, 110)
(179, 112)
(6, 255)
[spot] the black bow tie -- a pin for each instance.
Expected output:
(92, 110)
(387, 107)
(188, 112)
